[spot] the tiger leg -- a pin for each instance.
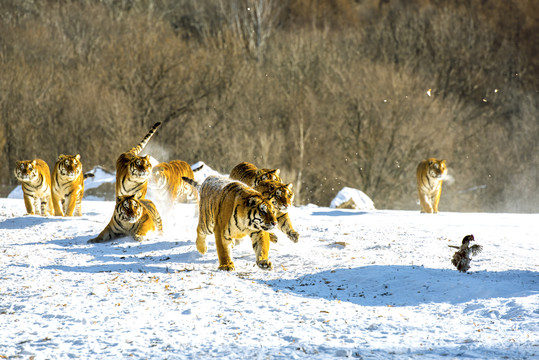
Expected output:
(29, 204)
(145, 226)
(424, 202)
(78, 206)
(273, 238)
(285, 225)
(223, 250)
(202, 247)
(106, 235)
(261, 246)
(436, 199)
(71, 203)
(46, 206)
(57, 205)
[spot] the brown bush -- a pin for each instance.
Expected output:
(333, 93)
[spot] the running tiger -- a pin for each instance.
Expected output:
(35, 178)
(67, 186)
(281, 196)
(131, 217)
(167, 183)
(430, 174)
(231, 210)
(251, 175)
(133, 171)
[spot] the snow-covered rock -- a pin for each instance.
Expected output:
(349, 198)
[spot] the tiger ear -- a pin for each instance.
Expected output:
(77, 156)
(147, 157)
(34, 163)
(252, 201)
(61, 157)
(289, 186)
(277, 171)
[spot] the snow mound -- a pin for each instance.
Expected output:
(349, 198)
(203, 172)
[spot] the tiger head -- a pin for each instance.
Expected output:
(140, 167)
(128, 209)
(280, 195)
(267, 174)
(437, 169)
(27, 170)
(260, 213)
(69, 166)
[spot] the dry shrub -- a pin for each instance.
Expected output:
(332, 92)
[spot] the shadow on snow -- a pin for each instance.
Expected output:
(408, 285)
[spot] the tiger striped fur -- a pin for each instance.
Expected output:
(132, 217)
(67, 186)
(35, 178)
(281, 197)
(133, 171)
(430, 174)
(167, 184)
(231, 210)
(251, 175)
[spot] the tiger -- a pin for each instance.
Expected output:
(281, 196)
(132, 217)
(167, 183)
(231, 210)
(430, 174)
(133, 171)
(251, 175)
(67, 186)
(35, 178)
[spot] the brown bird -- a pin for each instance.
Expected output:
(463, 257)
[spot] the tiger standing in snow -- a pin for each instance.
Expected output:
(35, 178)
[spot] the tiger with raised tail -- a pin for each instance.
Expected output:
(133, 171)
(251, 175)
(132, 217)
(231, 210)
(281, 197)
(67, 186)
(430, 174)
(167, 183)
(35, 178)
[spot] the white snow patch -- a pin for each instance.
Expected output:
(355, 198)
(390, 293)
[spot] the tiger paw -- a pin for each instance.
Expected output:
(229, 266)
(265, 264)
(293, 235)
(138, 238)
(94, 241)
(273, 238)
(202, 247)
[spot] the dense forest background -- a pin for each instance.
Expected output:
(333, 92)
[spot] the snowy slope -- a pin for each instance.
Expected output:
(367, 285)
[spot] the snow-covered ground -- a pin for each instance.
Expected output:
(367, 285)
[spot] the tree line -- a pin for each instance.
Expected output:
(334, 93)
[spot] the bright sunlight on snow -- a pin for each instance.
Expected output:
(359, 284)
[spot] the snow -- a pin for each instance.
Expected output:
(367, 285)
(359, 200)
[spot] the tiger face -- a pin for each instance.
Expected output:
(128, 209)
(261, 214)
(267, 174)
(280, 195)
(437, 169)
(27, 171)
(140, 167)
(69, 166)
